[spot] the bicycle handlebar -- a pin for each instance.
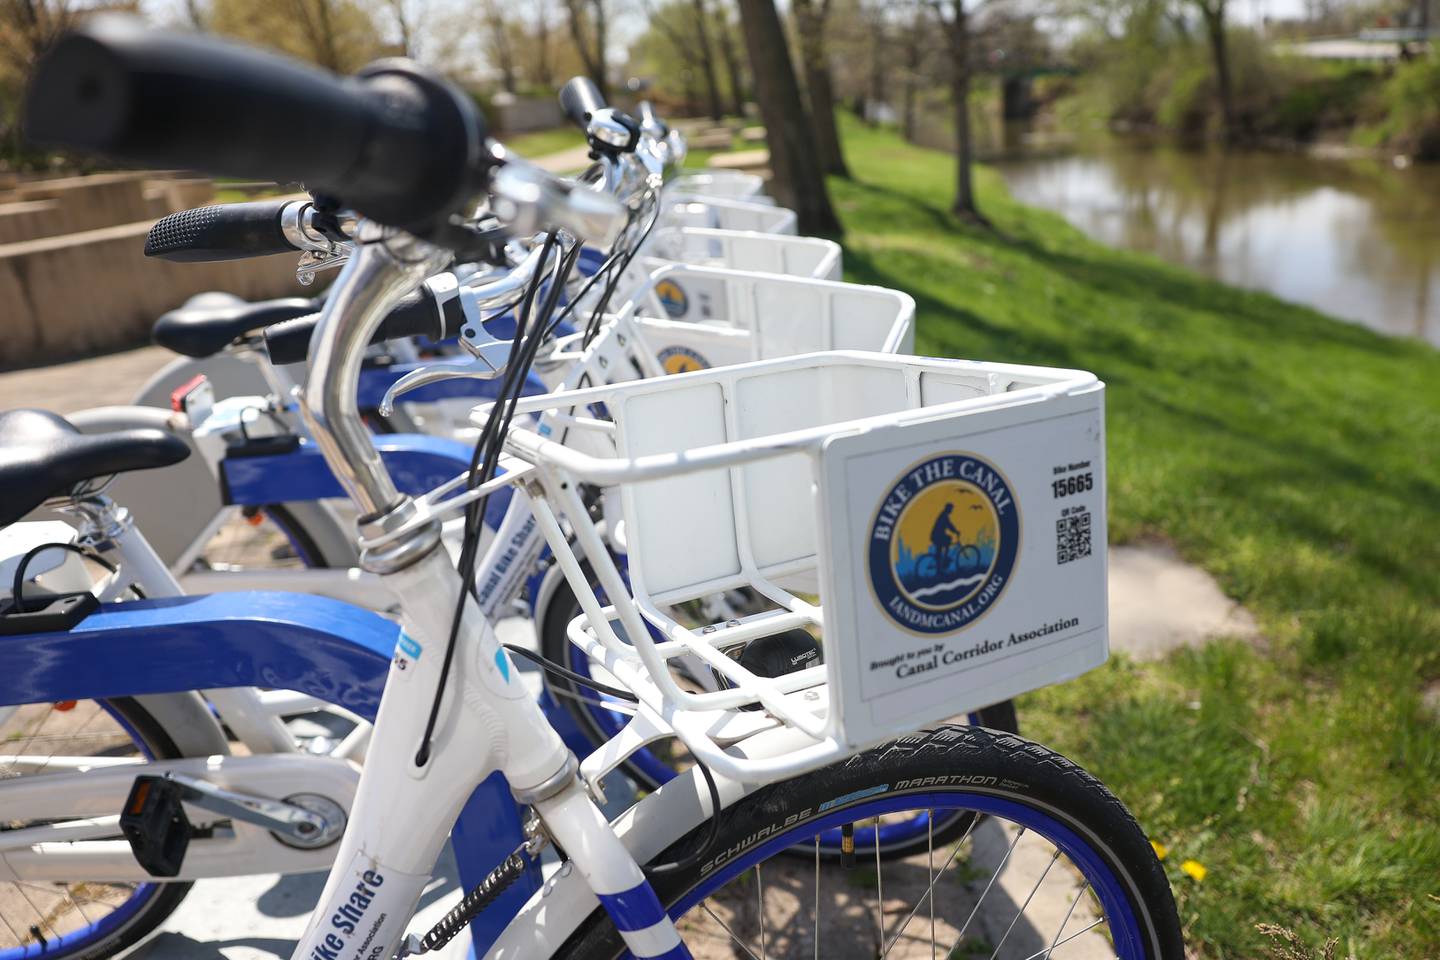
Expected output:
(395, 143)
(579, 98)
(420, 314)
(227, 231)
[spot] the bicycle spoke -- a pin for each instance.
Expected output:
(993, 877)
(1084, 930)
(879, 889)
(1066, 922)
(760, 902)
(817, 896)
(930, 890)
(726, 927)
(1021, 912)
(930, 864)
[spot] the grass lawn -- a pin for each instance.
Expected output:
(1295, 457)
(532, 146)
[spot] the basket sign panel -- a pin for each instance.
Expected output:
(967, 562)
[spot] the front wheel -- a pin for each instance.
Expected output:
(1050, 864)
(82, 920)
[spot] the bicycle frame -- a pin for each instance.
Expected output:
(484, 720)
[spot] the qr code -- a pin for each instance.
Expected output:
(1072, 537)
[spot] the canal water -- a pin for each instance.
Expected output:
(1356, 239)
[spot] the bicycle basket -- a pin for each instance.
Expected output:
(833, 472)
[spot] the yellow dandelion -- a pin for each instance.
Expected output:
(1160, 849)
(1194, 869)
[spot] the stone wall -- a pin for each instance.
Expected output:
(73, 275)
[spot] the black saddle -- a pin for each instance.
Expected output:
(42, 455)
(208, 322)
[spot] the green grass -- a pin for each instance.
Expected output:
(1296, 458)
(532, 146)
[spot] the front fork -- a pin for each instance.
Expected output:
(406, 803)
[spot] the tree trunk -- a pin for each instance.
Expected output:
(958, 32)
(591, 56)
(799, 181)
(732, 68)
(602, 40)
(1215, 28)
(543, 66)
(811, 22)
(907, 127)
(707, 60)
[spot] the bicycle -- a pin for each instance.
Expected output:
(448, 718)
(957, 557)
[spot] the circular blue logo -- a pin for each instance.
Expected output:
(672, 298)
(943, 543)
(681, 360)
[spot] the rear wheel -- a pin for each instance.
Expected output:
(83, 920)
(1050, 865)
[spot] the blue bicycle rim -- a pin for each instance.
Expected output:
(1124, 929)
(77, 940)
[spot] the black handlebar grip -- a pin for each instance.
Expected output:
(579, 98)
(395, 143)
(227, 231)
(418, 315)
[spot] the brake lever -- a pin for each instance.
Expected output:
(489, 356)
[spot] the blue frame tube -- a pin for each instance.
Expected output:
(315, 645)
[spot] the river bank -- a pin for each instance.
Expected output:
(1359, 239)
(1288, 453)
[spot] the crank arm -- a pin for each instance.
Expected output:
(301, 826)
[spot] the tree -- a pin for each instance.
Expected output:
(544, 63)
(27, 30)
(408, 16)
(339, 35)
(732, 63)
(1213, 13)
(498, 43)
(683, 26)
(589, 29)
(799, 180)
(955, 23)
(810, 17)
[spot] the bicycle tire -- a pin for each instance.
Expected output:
(165, 897)
(963, 763)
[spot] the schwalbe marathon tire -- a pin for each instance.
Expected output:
(1008, 766)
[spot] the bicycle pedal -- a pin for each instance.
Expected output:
(155, 824)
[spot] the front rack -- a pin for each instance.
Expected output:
(748, 476)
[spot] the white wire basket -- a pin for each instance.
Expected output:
(747, 250)
(825, 469)
(722, 184)
(696, 317)
(696, 210)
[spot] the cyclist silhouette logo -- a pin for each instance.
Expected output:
(681, 360)
(943, 543)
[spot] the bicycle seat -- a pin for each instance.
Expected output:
(206, 323)
(42, 455)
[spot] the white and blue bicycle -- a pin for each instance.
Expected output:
(810, 482)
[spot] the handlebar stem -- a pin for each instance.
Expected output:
(376, 277)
